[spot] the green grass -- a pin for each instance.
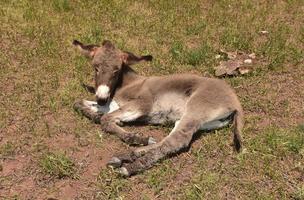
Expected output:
(264, 156)
(41, 73)
(157, 179)
(203, 186)
(281, 141)
(110, 185)
(7, 149)
(58, 165)
(299, 194)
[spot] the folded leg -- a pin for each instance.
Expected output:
(104, 116)
(93, 111)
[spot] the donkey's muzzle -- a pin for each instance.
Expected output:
(102, 102)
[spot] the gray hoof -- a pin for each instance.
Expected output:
(78, 105)
(114, 162)
(151, 140)
(124, 172)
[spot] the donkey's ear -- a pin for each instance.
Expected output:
(130, 59)
(87, 50)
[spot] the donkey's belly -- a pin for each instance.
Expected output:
(167, 108)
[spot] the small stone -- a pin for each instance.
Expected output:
(217, 56)
(124, 172)
(264, 32)
(243, 70)
(248, 61)
(252, 55)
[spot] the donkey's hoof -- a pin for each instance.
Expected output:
(151, 140)
(78, 105)
(124, 172)
(114, 162)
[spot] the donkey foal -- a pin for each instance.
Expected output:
(191, 102)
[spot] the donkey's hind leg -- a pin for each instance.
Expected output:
(177, 140)
(131, 156)
(128, 157)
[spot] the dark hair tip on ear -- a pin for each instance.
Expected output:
(76, 42)
(148, 57)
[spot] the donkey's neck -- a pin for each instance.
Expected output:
(128, 76)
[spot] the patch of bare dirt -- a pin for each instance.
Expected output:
(276, 98)
(14, 175)
(13, 165)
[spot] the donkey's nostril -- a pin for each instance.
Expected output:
(102, 102)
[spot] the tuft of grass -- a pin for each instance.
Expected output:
(296, 142)
(300, 127)
(110, 185)
(276, 49)
(279, 140)
(177, 50)
(236, 40)
(7, 149)
(196, 57)
(299, 194)
(57, 164)
(95, 35)
(201, 187)
(196, 29)
(156, 179)
(61, 5)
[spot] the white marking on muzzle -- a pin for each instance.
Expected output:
(103, 92)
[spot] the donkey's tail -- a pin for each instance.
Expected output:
(238, 123)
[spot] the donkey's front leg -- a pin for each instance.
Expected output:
(110, 123)
(90, 109)
(93, 111)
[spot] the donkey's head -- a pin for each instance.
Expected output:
(107, 62)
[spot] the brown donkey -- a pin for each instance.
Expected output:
(191, 102)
